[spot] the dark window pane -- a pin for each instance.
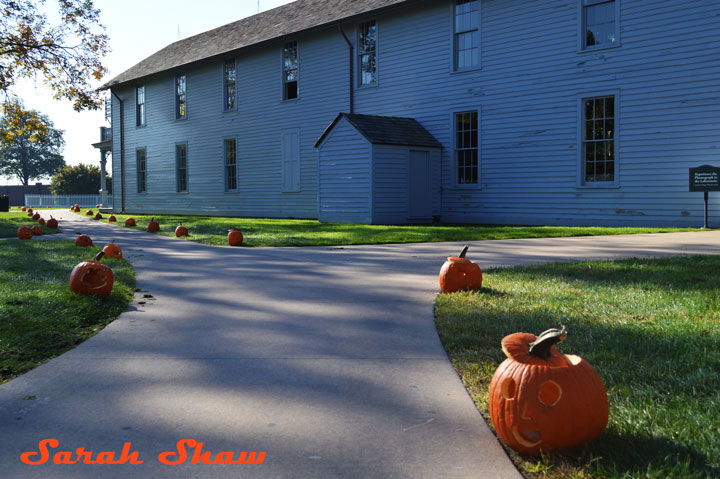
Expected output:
(609, 129)
(290, 90)
(610, 107)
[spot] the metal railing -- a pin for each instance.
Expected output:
(64, 201)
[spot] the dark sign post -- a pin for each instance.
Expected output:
(705, 178)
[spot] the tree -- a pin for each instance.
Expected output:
(66, 55)
(78, 180)
(29, 145)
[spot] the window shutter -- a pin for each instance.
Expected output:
(290, 159)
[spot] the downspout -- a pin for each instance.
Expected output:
(352, 63)
(122, 152)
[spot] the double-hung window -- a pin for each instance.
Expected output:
(141, 166)
(290, 71)
(229, 85)
(598, 144)
(599, 23)
(467, 34)
(181, 167)
(180, 96)
(230, 165)
(367, 53)
(140, 106)
(466, 147)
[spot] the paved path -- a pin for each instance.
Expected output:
(325, 358)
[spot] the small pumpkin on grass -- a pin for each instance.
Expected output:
(92, 277)
(52, 222)
(112, 250)
(98, 216)
(83, 240)
(544, 401)
(130, 222)
(41, 221)
(235, 237)
(23, 208)
(112, 219)
(459, 273)
(30, 212)
(36, 216)
(181, 231)
(36, 230)
(89, 213)
(24, 233)
(153, 226)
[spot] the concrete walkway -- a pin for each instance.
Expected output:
(325, 358)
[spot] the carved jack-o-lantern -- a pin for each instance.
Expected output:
(92, 277)
(52, 222)
(112, 250)
(544, 401)
(459, 273)
(83, 240)
(36, 230)
(24, 233)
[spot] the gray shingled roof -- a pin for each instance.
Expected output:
(301, 15)
(386, 130)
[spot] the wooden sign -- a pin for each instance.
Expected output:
(705, 178)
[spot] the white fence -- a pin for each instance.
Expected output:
(64, 201)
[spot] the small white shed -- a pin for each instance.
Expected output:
(378, 170)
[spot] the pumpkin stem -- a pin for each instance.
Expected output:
(99, 256)
(542, 344)
(464, 251)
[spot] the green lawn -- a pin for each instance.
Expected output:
(39, 317)
(652, 330)
(286, 232)
(12, 220)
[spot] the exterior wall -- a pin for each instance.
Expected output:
(664, 72)
(345, 187)
(391, 193)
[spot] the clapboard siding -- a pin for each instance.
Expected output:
(345, 167)
(665, 72)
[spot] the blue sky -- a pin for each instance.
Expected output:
(137, 29)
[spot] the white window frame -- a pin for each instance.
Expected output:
(454, 52)
(225, 164)
(582, 47)
(360, 54)
(226, 84)
(581, 183)
(454, 162)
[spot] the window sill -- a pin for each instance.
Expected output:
(231, 192)
(185, 192)
(599, 186)
(290, 100)
(466, 70)
(233, 110)
(374, 86)
(598, 48)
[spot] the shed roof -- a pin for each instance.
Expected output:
(386, 130)
(292, 18)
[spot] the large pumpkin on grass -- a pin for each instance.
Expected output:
(83, 240)
(181, 230)
(235, 237)
(92, 277)
(24, 233)
(130, 222)
(52, 222)
(153, 226)
(459, 273)
(112, 250)
(544, 401)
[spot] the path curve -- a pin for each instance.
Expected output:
(326, 358)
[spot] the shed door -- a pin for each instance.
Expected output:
(420, 190)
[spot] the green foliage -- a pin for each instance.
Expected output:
(651, 328)
(30, 147)
(286, 232)
(78, 180)
(39, 317)
(66, 55)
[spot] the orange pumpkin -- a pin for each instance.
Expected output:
(235, 237)
(544, 401)
(83, 240)
(24, 233)
(130, 222)
(459, 273)
(98, 216)
(181, 230)
(153, 226)
(112, 250)
(112, 219)
(30, 212)
(92, 277)
(52, 222)
(36, 230)
(36, 216)
(23, 208)
(41, 221)
(89, 213)
(76, 208)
